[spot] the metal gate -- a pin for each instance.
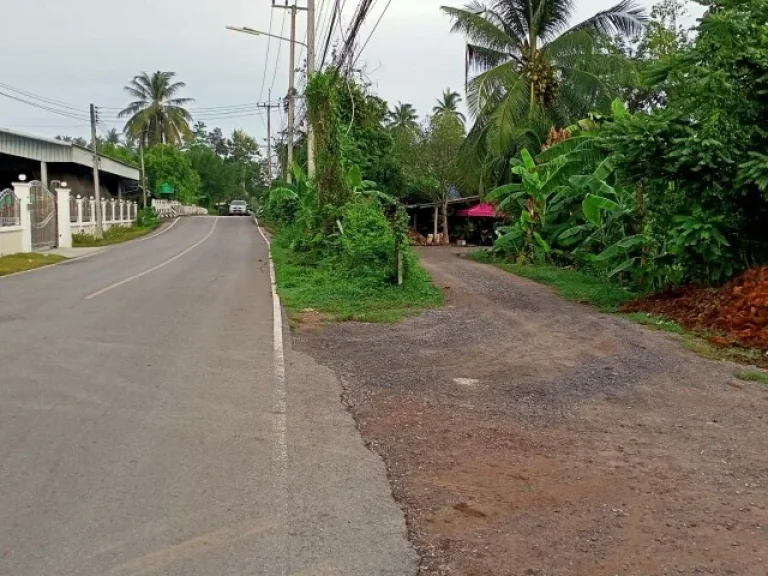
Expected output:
(43, 216)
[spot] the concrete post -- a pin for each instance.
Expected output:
(121, 206)
(112, 204)
(62, 213)
(79, 200)
(44, 174)
(21, 189)
(103, 213)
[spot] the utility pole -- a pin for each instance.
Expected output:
(291, 88)
(96, 184)
(143, 173)
(269, 107)
(310, 74)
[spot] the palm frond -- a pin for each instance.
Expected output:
(626, 18)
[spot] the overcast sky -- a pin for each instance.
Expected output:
(82, 51)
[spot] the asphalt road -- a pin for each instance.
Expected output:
(140, 432)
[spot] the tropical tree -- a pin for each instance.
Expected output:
(157, 115)
(112, 137)
(403, 116)
(534, 71)
(449, 104)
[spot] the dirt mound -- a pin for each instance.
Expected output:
(737, 313)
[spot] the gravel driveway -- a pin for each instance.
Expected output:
(525, 435)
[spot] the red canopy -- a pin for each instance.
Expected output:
(479, 211)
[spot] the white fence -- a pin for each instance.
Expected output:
(11, 231)
(174, 209)
(82, 214)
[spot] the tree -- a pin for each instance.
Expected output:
(403, 116)
(663, 38)
(441, 148)
(77, 141)
(166, 164)
(535, 72)
(243, 158)
(449, 104)
(157, 116)
(218, 142)
(112, 137)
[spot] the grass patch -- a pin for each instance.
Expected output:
(14, 263)
(332, 291)
(568, 283)
(115, 235)
(657, 322)
(753, 376)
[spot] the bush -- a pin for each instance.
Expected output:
(147, 218)
(367, 246)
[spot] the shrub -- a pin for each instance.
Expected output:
(367, 245)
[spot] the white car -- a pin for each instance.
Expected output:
(238, 208)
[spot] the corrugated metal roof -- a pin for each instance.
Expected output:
(44, 149)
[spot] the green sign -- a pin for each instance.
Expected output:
(165, 188)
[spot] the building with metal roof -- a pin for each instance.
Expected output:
(48, 159)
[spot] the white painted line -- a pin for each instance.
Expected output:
(158, 233)
(154, 268)
(279, 406)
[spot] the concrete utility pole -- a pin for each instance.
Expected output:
(143, 174)
(291, 87)
(269, 107)
(310, 73)
(96, 184)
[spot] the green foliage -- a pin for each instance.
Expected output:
(535, 71)
(753, 376)
(305, 283)
(147, 218)
(115, 235)
(156, 115)
(166, 163)
(15, 263)
(568, 283)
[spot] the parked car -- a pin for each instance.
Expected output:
(238, 208)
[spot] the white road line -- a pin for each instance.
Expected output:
(159, 233)
(154, 268)
(279, 407)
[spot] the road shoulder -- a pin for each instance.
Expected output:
(524, 434)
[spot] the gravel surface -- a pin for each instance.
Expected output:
(528, 435)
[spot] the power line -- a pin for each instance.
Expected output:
(266, 58)
(50, 101)
(279, 49)
(72, 115)
(372, 32)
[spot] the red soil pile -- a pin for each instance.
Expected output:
(737, 313)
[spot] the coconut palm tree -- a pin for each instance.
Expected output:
(449, 104)
(157, 116)
(112, 137)
(403, 116)
(534, 70)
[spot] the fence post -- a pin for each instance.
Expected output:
(63, 217)
(79, 201)
(21, 189)
(121, 209)
(104, 212)
(135, 214)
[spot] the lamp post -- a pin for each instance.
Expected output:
(291, 81)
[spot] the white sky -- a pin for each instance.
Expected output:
(82, 51)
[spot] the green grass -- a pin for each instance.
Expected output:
(28, 261)
(657, 322)
(568, 283)
(340, 296)
(753, 376)
(115, 235)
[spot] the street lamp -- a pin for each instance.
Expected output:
(291, 82)
(252, 32)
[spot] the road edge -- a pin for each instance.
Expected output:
(279, 405)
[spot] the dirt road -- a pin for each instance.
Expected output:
(525, 435)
